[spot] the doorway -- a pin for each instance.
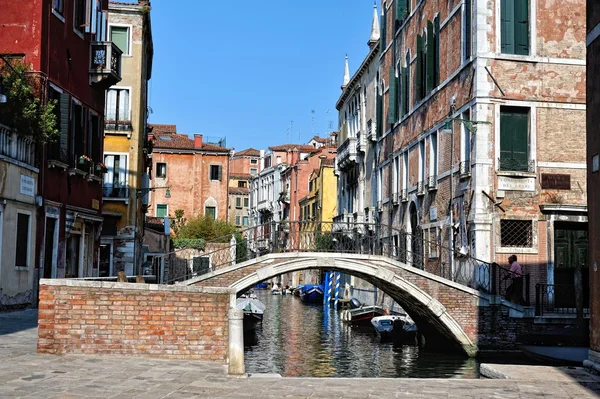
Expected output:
(49, 247)
(416, 242)
(73, 251)
(105, 266)
(570, 261)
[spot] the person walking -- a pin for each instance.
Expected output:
(514, 292)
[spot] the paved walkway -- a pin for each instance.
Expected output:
(25, 374)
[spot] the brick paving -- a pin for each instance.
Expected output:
(26, 374)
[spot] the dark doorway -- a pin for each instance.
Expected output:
(416, 245)
(105, 253)
(570, 263)
(49, 247)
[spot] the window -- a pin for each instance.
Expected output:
(215, 172)
(467, 29)
(405, 87)
(58, 6)
(402, 11)
(161, 210)
(211, 212)
(465, 145)
(516, 233)
(119, 35)
(278, 160)
(246, 202)
(77, 148)
(117, 109)
(395, 175)
(421, 161)
(253, 171)
(79, 15)
(242, 184)
(428, 59)
(393, 97)
(245, 221)
(115, 179)
(433, 158)
(433, 242)
(267, 161)
(161, 170)
(238, 220)
(254, 161)
(383, 30)
(404, 172)
(514, 139)
(238, 202)
(22, 253)
(514, 27)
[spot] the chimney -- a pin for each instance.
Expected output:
(197, 141)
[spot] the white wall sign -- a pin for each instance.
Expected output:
(27, 185)
(516, 184)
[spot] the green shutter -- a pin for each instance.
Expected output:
(382, 29)
(507, 26)
(407, 86)
(436, 64)
(379, 115)
(392, 98)
(521, 20)
(430, 58)
(419, 71)
(401, 10)
(120, 37)
(402, 93)
(161, 211)
(64, 124)
(468, 22)
(514, 139)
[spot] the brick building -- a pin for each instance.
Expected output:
(242, 166)
(196, 172)
(482, 110)
(126, 150)
(66, 45)
(593, 165)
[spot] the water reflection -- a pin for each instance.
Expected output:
(300, 340)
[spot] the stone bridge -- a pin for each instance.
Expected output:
(463, 316)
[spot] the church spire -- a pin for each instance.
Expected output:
(346, 74)
(375, 34)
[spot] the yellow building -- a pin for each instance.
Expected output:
(319, 206)
(126, 148)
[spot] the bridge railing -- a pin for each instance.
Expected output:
(340, 237)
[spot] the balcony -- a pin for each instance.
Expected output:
(115, 192)
(516, 165)
(105, 63)
(464, 169)
(421, 188)
(432, 183)
(17, 147)
(118, 126)
(347, 153)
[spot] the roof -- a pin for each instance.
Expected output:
(240, 176)
(289, 147)
(328, 162)
(160, 129)
(238, 190)
(168, 140)
(319, 139)
(249, 152)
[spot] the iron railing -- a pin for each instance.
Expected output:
(556, 299)
(344, 237)
(516, 165)
(17, 147)
(112, 191)
(105, 59)
(511, 286)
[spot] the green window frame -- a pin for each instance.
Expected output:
(514, 27)
(383, 29)
(161, 210)
(119, 35)
(514, 139)
(210, 211)
(393, 97)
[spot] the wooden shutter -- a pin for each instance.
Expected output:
(468, 24)
(507, 26)
(514, 139)
(436, 64)
(521, 21)
(64, 125)
(406, 75)
(392, 98)
(402, 93)
(379, 115)
(401, 10)
(430, 69)
(419, 71)
(219, 173)
(383, 31)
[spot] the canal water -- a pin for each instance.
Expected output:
(300, 340)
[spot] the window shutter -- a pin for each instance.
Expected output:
(379, 115)
(419, 71)
(64, 124)
(383, 31)
(402, 93)
(401, 10)
(468, 21)
(514, 139)
(219, 172)
(521, 21)
(436, 35)
(392, 98)
(430, 69)
(120, 37)
(507, 26)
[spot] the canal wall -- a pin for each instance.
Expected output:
(93, 317)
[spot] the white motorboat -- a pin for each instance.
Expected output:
(395, 327)
(253, 311)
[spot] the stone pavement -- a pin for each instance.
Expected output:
(25, 374)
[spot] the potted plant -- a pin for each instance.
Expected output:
(84, 162)
(101, 168)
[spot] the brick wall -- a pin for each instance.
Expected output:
(133, 319)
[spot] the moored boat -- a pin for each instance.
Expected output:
(395, 327)
(312, 293)
(362, 315)
(253, 311)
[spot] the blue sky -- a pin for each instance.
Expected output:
(244, 69)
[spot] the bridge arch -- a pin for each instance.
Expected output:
(414, 289)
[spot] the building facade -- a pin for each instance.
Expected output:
(66, 45)
(478, 99)
(195, 172)
(242, 166)
(593, 165)
(126, 149)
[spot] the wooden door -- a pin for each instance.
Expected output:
(570, 259)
